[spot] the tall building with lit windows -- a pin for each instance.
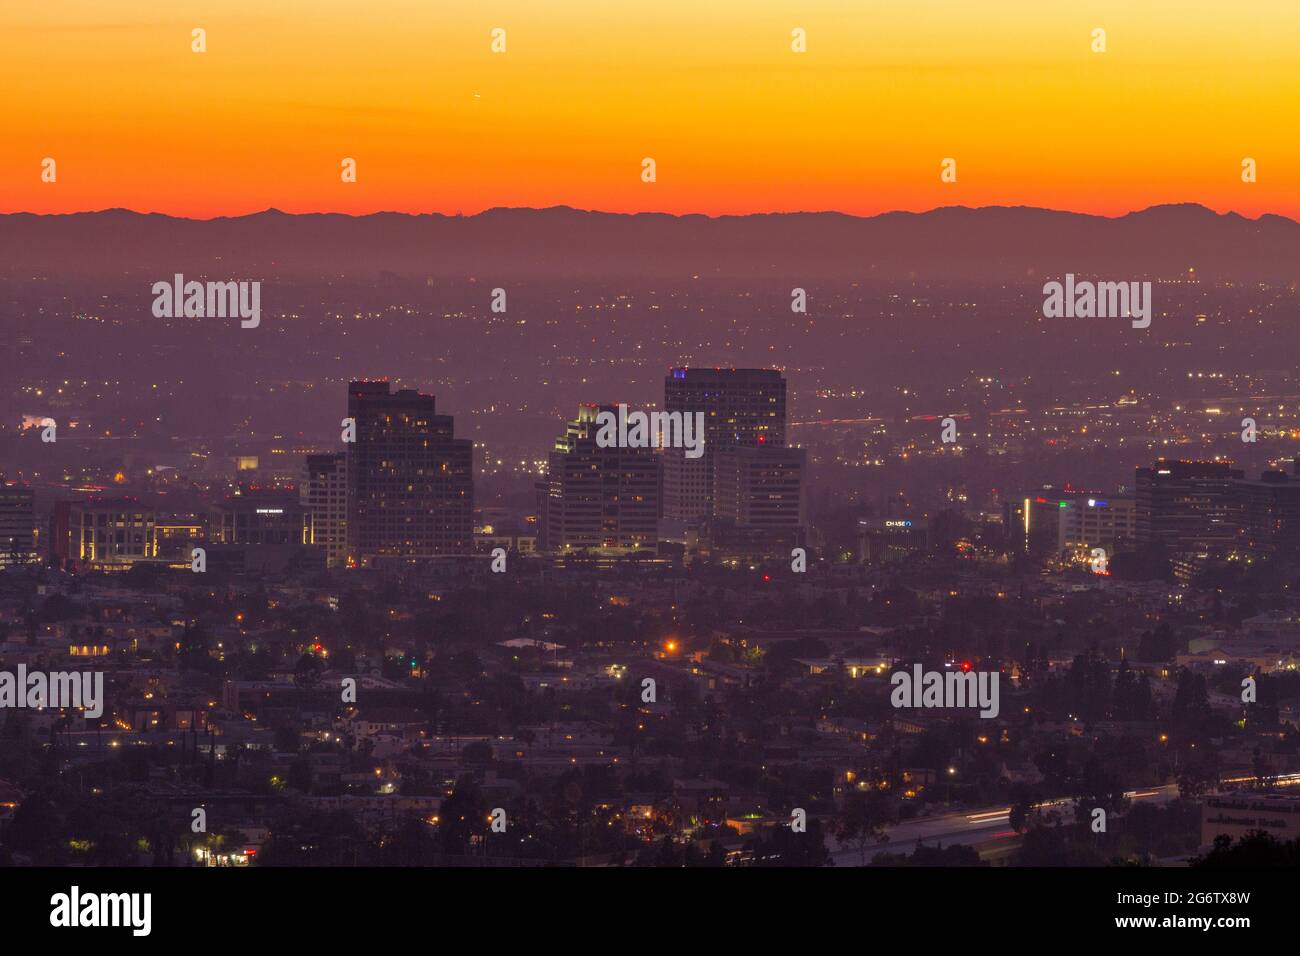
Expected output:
(1188, 507)
(762, 490)
(1052, 522)
(598, 499)
(1089, 520)
(17, 525)
(410, 481)
(743, 408)
(323, 491)
(1269, 510)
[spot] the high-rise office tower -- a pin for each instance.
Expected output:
(599, 499)
(17, 525)
(410, 481)
(761, 490)
(1270, 513)
(743, 408)
(1187, 507)
(323, 491)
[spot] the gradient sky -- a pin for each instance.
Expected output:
(709, 88)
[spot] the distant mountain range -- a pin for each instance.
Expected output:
(992, 243)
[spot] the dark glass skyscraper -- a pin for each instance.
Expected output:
(1270, 513)
(410, 481)
(17, 521)
(743, 408)
(1187, 506)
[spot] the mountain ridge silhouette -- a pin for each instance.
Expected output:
(997, 243)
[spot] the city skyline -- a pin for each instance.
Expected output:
(607, 438)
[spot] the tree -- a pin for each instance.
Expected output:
(300, 773)
(462, 818)
(1197, 776)
(1096, 787)
(1023, 801)
(955, 855)
(1191, 700)
(863, 819)
(1254, 850)
(784, 847)
(1051, 846)
(35, 826)
(286, 738)
(1087, 687)
(1158, 646)
(307, 673)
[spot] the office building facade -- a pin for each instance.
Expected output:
(1269, 513)
(762, 489)
(410, 481)
(598, 499)
(1090, 520)
(1188, 507)
(106, 532)
(743, 408)
(17, 526)
(323, 491)
(259, 517)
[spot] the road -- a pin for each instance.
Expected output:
(979, 825)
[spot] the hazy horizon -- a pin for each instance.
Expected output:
(658, 212)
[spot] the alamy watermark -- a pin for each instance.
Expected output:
(949, 689)
(38, 689)
(1102, 300)
(655, 429)
(75, 908)
(196, 300)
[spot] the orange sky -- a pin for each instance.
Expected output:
(710, 89)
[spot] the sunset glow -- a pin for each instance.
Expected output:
(735, 120)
